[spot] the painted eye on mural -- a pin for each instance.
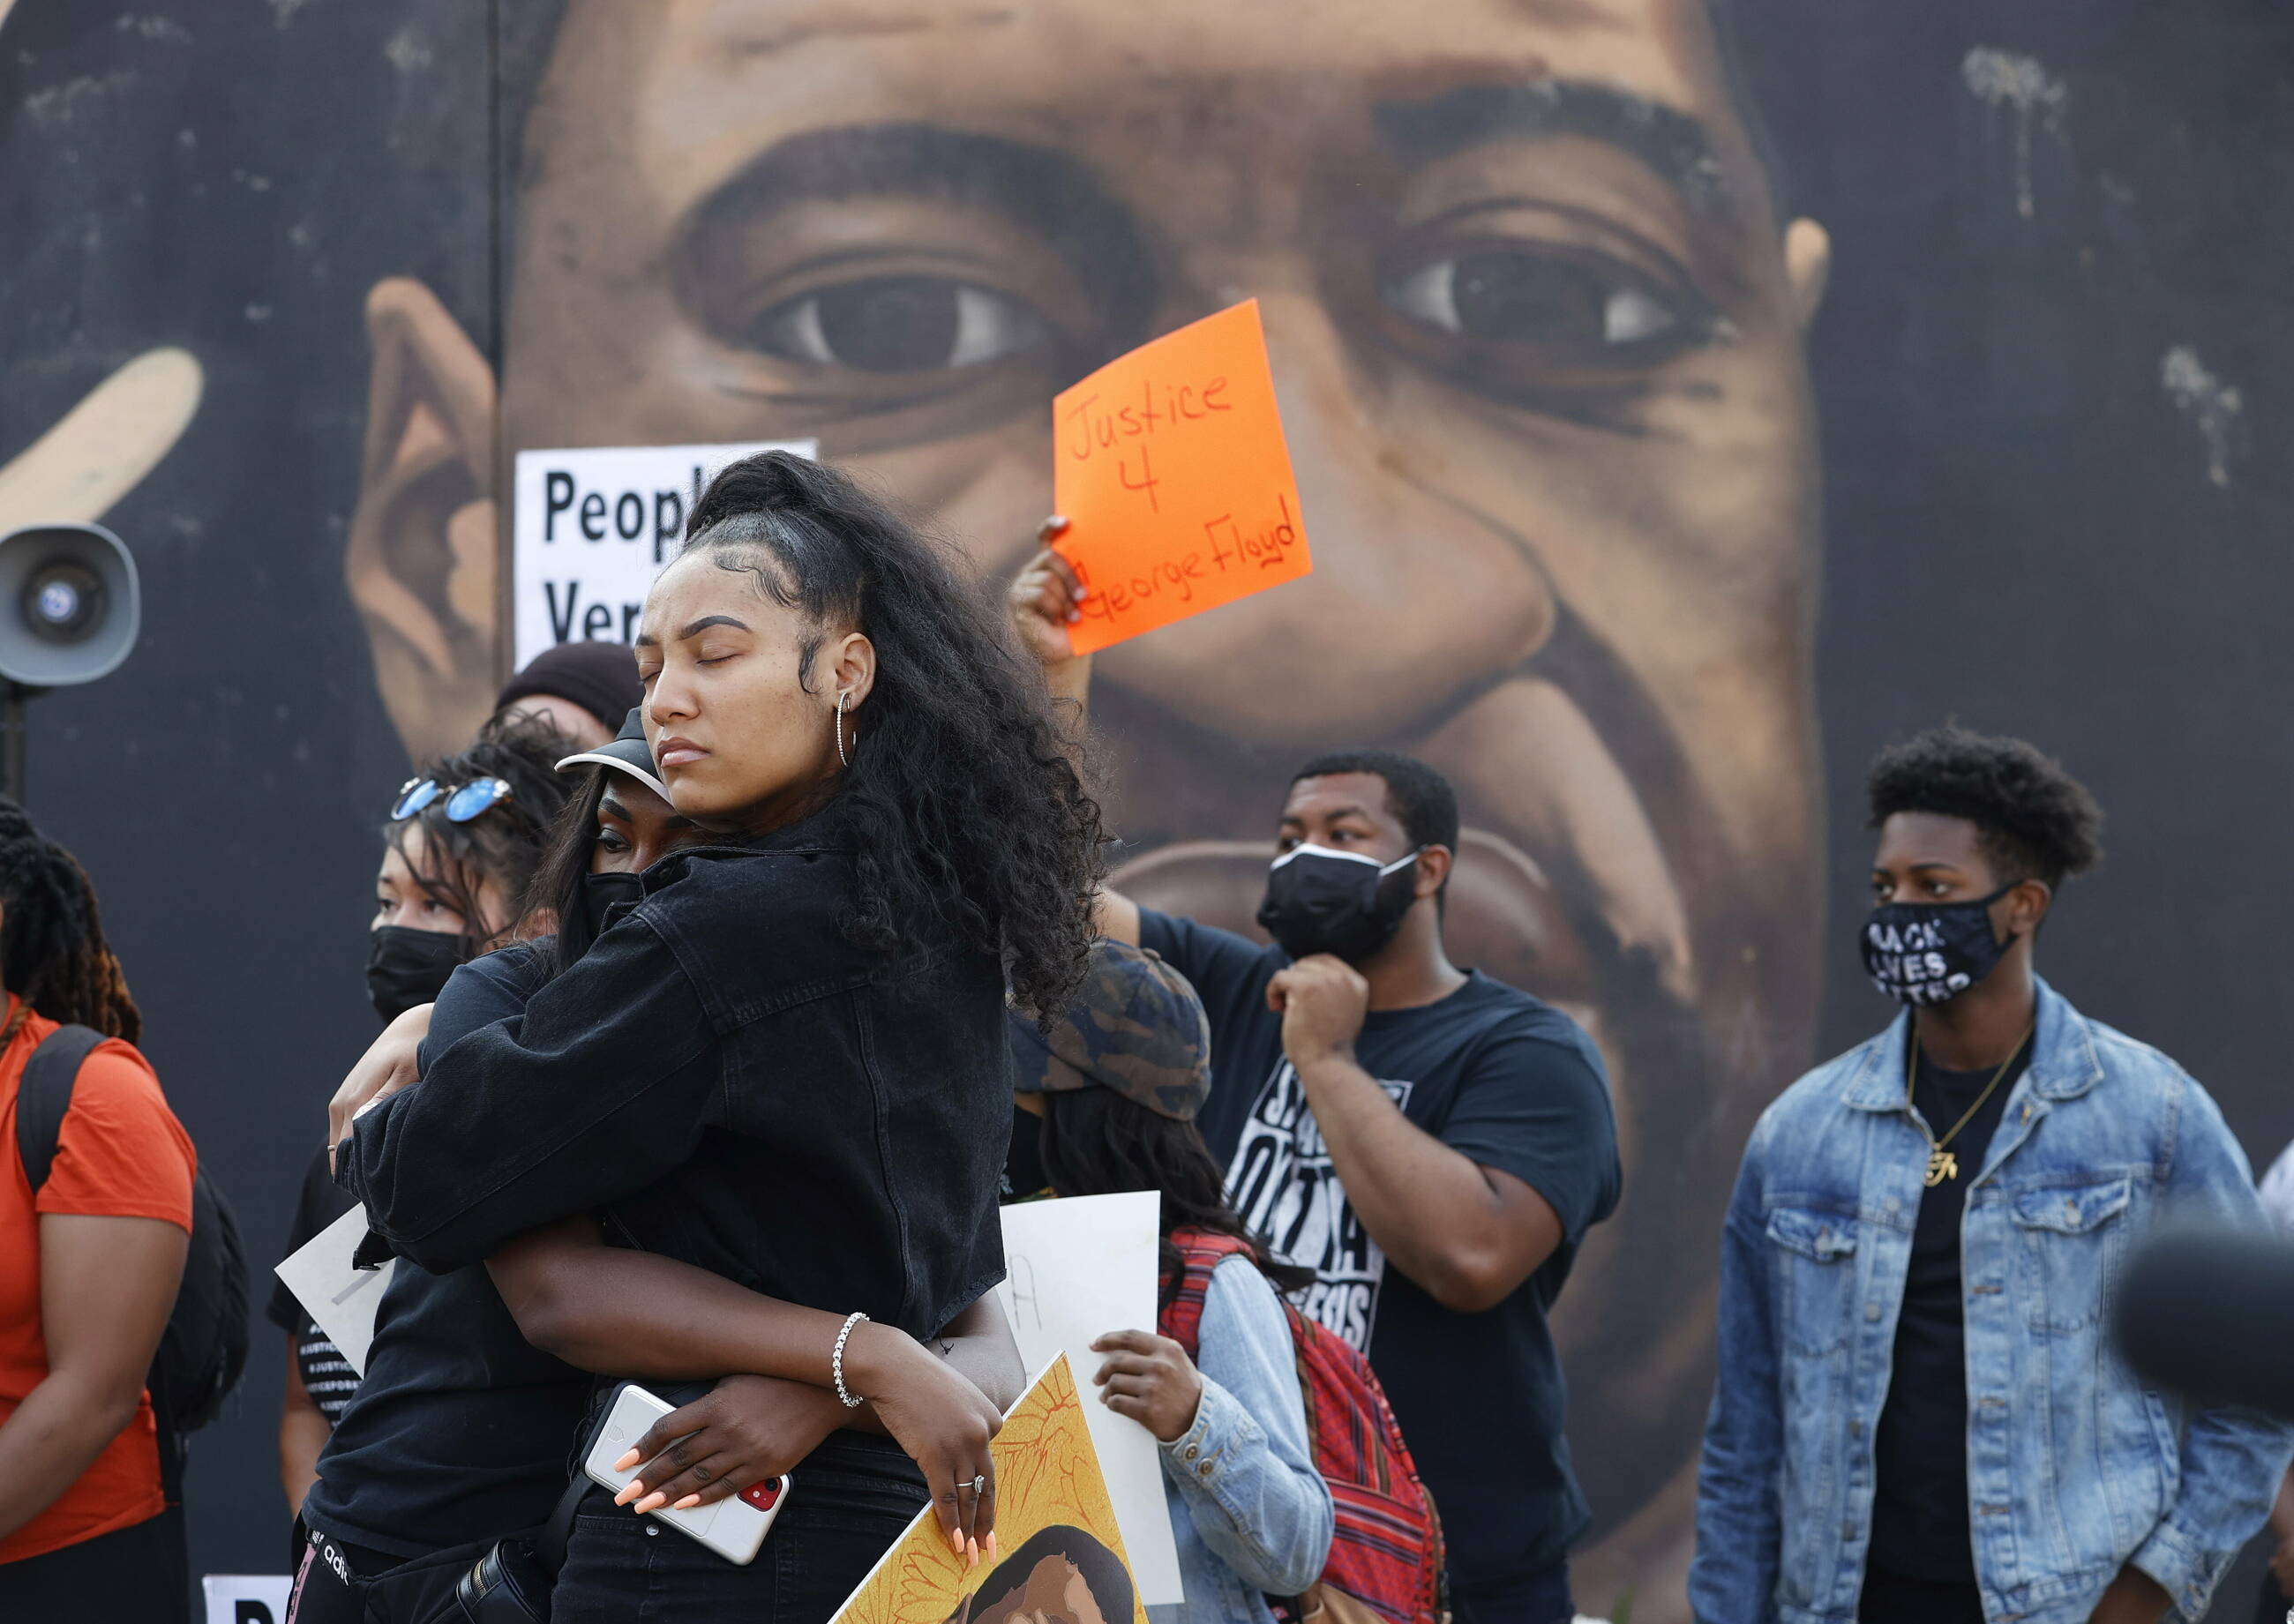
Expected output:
(898, 324)
(1568, 306)
(1513, 297)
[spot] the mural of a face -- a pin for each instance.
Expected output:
(1537, 335)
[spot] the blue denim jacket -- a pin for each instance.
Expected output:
(1251, 1515)
(2074, 1469)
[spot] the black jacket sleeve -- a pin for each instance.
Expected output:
(602, 1087)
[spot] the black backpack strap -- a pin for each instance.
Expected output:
(43, 1099)
(45, 1094)
(550, 1544)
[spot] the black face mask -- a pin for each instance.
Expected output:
(1926, 953)
(1323, 901)
(1023, 1163)
(405, 967)
(603, 892)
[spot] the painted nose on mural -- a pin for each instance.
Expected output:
(1416, 597)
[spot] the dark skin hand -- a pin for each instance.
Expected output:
(2282, 1530)
(750, 1428)
(1150, 1379)
(107, 1286)
(2134, 1597)
(619, 1312)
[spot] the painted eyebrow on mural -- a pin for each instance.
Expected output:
(1677, 149)
(1047, 193)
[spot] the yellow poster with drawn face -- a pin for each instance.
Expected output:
(1061, 1556)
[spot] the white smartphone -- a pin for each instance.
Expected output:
(733, 1528)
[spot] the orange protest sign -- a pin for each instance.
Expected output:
(1174, 480)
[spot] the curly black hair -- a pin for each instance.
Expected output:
(964, 806)
(53, 955)
(504, 843)
(2033, 819)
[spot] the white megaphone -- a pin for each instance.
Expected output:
(69, 610)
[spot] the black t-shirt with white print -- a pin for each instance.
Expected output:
(1504, 1079)
(326, 1375)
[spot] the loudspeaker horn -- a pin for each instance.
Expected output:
(70, 606)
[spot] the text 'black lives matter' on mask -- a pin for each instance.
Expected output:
(1931, 952)
(1337, 902)
(406, 968)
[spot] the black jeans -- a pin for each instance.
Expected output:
(141, 1573)
(848, 1502)
(1541, 1598)
(348, 1584)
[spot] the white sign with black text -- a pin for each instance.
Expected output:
(246, 1599)
(590, 528)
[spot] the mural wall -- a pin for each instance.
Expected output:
(1688, 396)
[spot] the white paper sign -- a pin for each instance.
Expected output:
(1076, 1268)
(591, 529)
(340, 1298)
(246, 1599)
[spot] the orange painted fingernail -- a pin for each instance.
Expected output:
(688, 1503)
(991, 1546)
(955, 1541)
(628, 1459)
(651, 1502)
(971, 1547)
(629, 1492)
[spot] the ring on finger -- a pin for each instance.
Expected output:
(978, 1485)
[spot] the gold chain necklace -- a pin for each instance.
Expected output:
(1942, 1163)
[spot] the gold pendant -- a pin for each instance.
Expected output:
(1942, 1165)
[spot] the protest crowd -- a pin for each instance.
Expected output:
(734, 981)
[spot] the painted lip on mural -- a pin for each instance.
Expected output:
(675, 750)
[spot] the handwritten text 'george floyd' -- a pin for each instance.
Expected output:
(1228, 544)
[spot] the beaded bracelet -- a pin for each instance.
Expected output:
(836, 1362)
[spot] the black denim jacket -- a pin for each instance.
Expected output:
(724, 1079)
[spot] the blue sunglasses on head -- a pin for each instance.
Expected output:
(466, 801)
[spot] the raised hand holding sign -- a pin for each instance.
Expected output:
(1173, 474)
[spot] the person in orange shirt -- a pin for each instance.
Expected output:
(89, 1268)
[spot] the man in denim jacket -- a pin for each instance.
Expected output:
(1917, 1414)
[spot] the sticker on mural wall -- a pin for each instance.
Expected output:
(592, 527)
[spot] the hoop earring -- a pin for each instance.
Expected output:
(842, 758)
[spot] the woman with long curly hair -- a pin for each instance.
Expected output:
(786, 1064)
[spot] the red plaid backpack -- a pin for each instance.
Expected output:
(1385, 1553)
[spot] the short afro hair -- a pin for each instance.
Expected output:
(2033, 819)
(1420, 798)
